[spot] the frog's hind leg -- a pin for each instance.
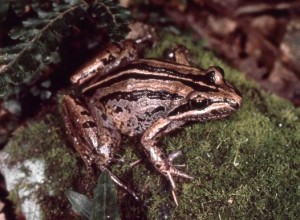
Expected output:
(80, 129)
(111, 57)
(94, 140)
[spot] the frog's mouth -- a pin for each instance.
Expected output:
(196, 105)
(205, 109)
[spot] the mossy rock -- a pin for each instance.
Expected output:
(38, 168)
(245, 166)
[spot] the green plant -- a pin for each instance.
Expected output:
(104, 204)
(36, 36)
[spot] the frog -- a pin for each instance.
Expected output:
(122, 94)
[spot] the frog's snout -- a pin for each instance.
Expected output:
(235, 101)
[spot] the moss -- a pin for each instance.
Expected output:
(43, 140)
(245, 166)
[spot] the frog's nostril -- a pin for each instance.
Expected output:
(233, 103)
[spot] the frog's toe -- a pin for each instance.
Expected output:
(173, 171)
(172, 156)
(170, 171)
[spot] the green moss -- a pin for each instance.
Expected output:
(43, 140)
(244, 166)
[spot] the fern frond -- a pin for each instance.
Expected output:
(40, 38)
(3, 9)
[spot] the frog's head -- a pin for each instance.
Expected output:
(213, 98)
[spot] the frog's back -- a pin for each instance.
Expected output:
(150, 69)
(137, 95)
(134, 96)
(134, 111)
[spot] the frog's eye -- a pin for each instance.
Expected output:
(198, 104)
(216, 75)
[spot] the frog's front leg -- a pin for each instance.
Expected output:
(93, 136)
(161, 162)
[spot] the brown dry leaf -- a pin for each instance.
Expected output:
(250, 36)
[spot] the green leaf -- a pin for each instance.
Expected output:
(105, 199)
(113, 17)
(80, 204)
(2, 84)
(15, 74)
(3, 9)
(104, 204)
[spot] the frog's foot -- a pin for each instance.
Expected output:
(169, 170)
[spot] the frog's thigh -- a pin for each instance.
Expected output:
(109, 58)
(85, 134)
(75, 117)
(108, 133)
